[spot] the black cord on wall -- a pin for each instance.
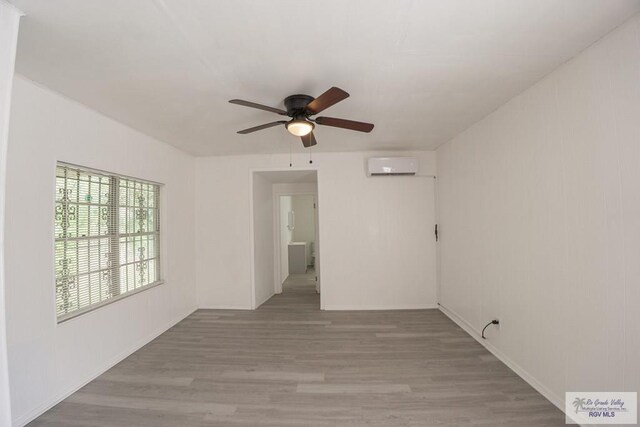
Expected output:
(493, 322)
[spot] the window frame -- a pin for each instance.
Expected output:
(160, 241)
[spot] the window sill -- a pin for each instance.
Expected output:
(66, 317)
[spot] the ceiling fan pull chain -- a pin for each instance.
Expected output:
(290, 163)
(310, 158)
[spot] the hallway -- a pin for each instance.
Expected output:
(298, 294)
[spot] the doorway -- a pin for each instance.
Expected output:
(298, 241)
(285, 236)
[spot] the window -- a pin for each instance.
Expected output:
(107, 238)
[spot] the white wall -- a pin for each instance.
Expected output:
(539, 207)
(263, 239)
(49, 360)
(376, 234)
(295, 187)
(305, 230)
(285, 236)
(9, 23)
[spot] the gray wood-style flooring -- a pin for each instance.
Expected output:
(290, 364)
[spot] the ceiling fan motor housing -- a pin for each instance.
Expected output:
(295, 105)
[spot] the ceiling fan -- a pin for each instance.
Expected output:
(300, 108)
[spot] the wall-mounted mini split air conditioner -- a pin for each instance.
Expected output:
(391, 166)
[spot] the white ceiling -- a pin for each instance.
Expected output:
(422, 71)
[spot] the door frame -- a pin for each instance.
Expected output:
(278, 279)
(276, 231)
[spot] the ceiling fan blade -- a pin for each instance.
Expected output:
(326, 100)
(258, 106)
(265, 126)
(344, 124)
(309, 140)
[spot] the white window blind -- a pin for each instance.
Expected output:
(107, 238)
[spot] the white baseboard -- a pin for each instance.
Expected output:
(224, 307)
(264, 300)
(33, 414)
(522, 373)
(380, 307)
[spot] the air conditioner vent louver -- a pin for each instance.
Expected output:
(393, 174)
(392, 166)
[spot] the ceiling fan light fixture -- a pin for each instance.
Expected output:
(300, 127)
